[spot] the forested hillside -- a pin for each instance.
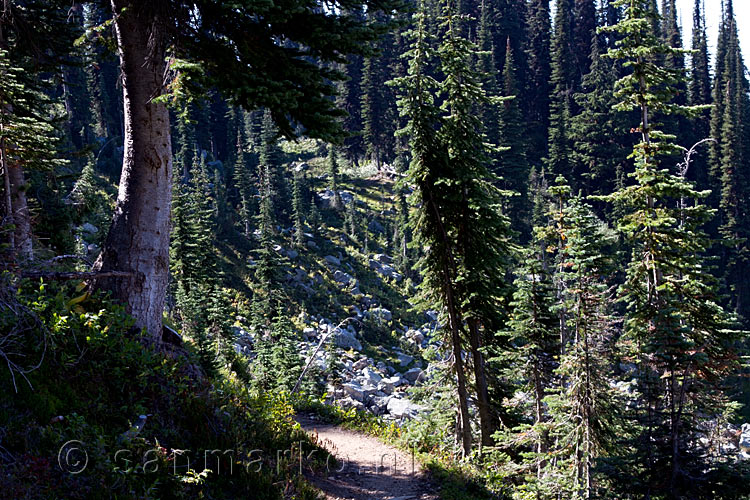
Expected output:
(510, 236)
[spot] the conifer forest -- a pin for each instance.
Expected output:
(374, 249)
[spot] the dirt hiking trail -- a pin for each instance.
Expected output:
(367, 469)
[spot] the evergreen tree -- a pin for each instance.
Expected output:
(513, 167)
(428, 165)
(27, 142)
(598, 148)
(298, 210)
(677, 331)
(486, 69)
(583, 410)
(378, 107)
(699, 93)
(584, 28)
(271, 175)
(245, 179)
(534, 341)
(267, 267)
(333, 177)
(538, 29)
(562, 80)
(201, 305)
(460, 218)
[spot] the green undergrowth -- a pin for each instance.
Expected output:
(94, 381)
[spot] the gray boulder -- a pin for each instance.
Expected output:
(371, 376)
(346, 340)
(347, 403)
(745, 439)
(413, 375)
(404, 359)
(415, 336)
(342, 277)
(382, 258)
(332, 260)
(402, 408)
(360, 364)
(386, 386)
(89, 228)
(380, 313)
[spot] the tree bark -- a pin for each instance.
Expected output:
(486, 425)
(19, 208)
(138, 239)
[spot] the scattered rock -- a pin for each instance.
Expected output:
(380, 313)
(332, 260)
(346, 340)
(89, 228)
(360, 364)
(404, 359)
(382, 258)
(371, 376)
(744, 444)
(312, 244)
(309, 333)
(415, 336)
(413, 375)
(342, 277)
(357, 392)
(347, 403)
(402, 408)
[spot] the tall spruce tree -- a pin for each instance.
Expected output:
(729, 171)
(584, 408)
(562, 79)
(699, 93)
(538, 29)
(428, 166)
(512, 164)
(584, 27)
(678, 333)
(599, 147)
(460, 214)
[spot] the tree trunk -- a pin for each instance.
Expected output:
(21, 217)
(7, 205)
(463, 395)
(138, 239)
(486, 425)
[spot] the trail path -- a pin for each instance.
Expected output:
(367, 468)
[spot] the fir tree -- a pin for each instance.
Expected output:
(562, 81)
(538, 29)
(513, 167)
(676, 329)
(583, 410)
(460, 217)
(598, 148)
(27, 142)
(584, 28)
(534, 352)
(699, 93)
(298, 209)
(333, 177)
